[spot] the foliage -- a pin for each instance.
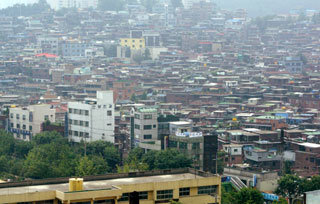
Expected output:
(174, 202)
(167, 159)
(280, 201)
(287, 169)
(227, 197)
(290, 186)
(248, 196)
(221, 163)
(26, 10)
(50, 155)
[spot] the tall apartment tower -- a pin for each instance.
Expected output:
(92, 119)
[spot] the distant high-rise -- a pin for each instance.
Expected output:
(188, 3)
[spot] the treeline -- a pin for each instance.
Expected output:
(26, 9)
(49, 155)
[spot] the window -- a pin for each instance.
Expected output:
(143, 195)
(165, 194)
(109, 113)
(75, 122)
(70, 121)
(184, 191)
(147, 137)
(30, 128)
(136, 126)
(18, 126)
(81, 123)
(195, 145)
(183, 145)
(147, 127)
(76, 133)
(207, 190)
(86, 135)
(24, 127)
(46, 117)
(81, 134)
(23, 117)
(154, 126)
(70, 110)
(87, 124)
(11, 125)
(11, 115)
(86, 112)
(18, 116)
(137, 116)
(146, 117)
(124, 197)
(235, 150)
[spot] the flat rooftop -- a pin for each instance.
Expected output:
(98, 185)
(102, 182)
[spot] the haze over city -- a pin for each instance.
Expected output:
(160, 101)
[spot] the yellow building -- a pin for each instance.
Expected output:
(133, 43)
(185, 185)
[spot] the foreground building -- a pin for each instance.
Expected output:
(92, 119)
(184, 185)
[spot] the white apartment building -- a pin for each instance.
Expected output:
(78, 4)
(92, 119)
(24, 122)
(145, 124)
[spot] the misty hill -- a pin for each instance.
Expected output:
(268, 7)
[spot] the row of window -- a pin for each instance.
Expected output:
(184, 145)
(142, 196)
(79, 111)
(145, 117)
(79, 123)
(18, 126)
(78, 134)
(145, 127)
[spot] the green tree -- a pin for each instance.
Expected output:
(171, 159)
(221, 161)
(290, 186)
(280, 201)
(85, 167)
(248, 196)
(227, 197)
(287, 169)
(133, 165)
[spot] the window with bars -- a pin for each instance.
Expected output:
(164, 194)
(207, 190)
(184, 191)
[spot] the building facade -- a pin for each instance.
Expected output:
(145, 124)
(24, 122)
(92, 119)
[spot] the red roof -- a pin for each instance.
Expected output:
(47, 55)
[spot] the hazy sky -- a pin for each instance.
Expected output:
(254, 7)
(6, 3)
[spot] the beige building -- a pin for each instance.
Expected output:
(24, 122)
(161, 186)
